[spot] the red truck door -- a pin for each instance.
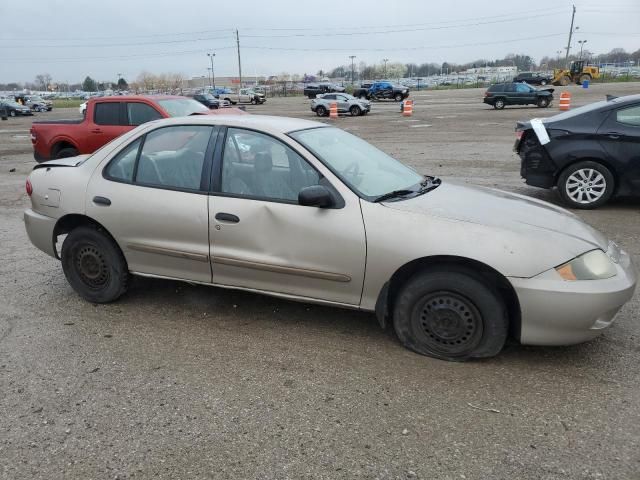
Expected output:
(106, 123)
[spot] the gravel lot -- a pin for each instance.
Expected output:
(180, 381)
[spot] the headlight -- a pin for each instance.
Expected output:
(593, 265)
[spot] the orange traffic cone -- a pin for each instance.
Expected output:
(407, 111)
(333, 110)
(565, 101)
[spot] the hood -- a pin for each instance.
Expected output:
(507, 211)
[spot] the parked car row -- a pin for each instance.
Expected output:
(13, 109)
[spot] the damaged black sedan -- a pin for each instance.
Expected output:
(590, 154)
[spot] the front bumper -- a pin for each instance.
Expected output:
(558, 312)
(40, 231)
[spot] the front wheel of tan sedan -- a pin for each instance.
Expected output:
(450, 314)
(94, 265)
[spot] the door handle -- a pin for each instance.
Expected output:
(96, 130)
(227, 217)
(613, 135)
(102, 201)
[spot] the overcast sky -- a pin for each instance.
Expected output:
(74, 38)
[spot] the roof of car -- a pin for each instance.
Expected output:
(267, 123)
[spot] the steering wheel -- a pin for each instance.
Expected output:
(352, 171)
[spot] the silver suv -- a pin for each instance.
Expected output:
(346, 104)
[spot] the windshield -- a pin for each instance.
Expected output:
(363, 167)
(182, 107)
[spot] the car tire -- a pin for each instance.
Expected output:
(355, 111)
(543, 102)
(586, 185)
(499, 104)
(12, 113)
(253, 101)
(94, 265)
(67, 152)
(398, 97)
(451, 314)
(321, 111)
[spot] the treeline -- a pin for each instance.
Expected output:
(522, 61)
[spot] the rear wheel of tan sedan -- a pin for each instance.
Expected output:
(450, 314)
(94, 265)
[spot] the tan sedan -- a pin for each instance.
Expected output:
(304, 211)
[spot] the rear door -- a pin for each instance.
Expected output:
(263, 239)
(510, 93)
(107, 123)
(619, 135)
(152, 197)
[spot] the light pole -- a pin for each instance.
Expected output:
(581, 42)
(352, 76)
(213, 75)
(385, 60)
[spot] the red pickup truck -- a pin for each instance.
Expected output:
(107, 118)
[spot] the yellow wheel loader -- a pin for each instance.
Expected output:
(578, 72)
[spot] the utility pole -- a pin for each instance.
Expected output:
(573, 16)
(352, 76)
(213, 75)
(239, 64)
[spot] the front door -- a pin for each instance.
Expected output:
(619, 135)
(263, 239)
(343, 103)
(152, 197)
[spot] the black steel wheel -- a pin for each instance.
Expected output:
(321, 111)
(451, 314)
(94, 265)
(543, 102)
(355, 111)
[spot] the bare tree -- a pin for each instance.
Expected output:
(42, 81)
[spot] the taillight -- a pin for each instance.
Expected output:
(519, 134)
(487, 94)
(29, 187)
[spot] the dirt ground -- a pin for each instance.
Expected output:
(180, 381)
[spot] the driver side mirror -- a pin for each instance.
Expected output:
(315, 196)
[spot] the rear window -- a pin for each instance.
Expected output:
(496, 88)
(107, 113)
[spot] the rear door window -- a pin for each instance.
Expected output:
(629, 116)
(173, 157)
(107, 113)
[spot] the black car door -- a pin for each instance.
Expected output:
(619, 135)
(524, 94)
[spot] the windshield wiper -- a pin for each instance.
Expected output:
(394, 194)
